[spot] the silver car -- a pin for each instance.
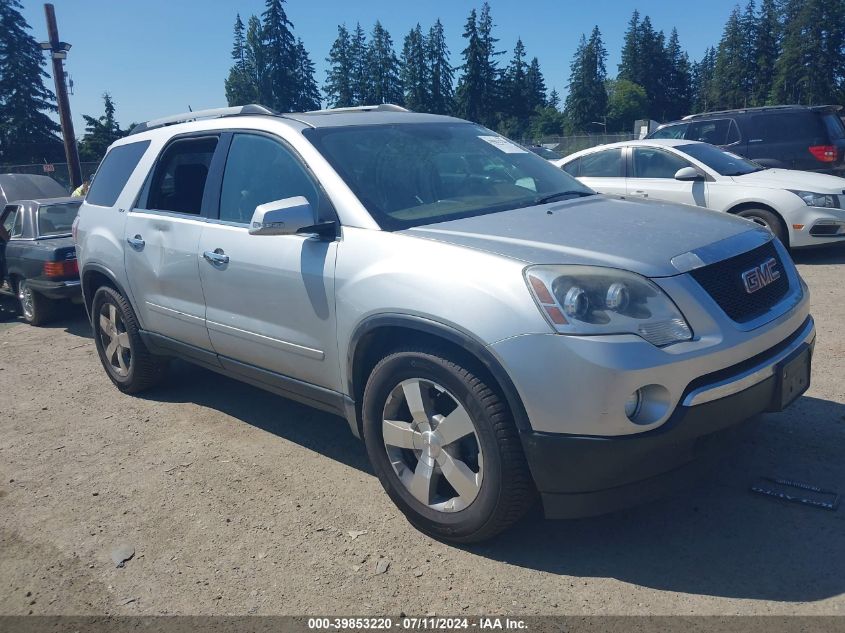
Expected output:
(494, 330)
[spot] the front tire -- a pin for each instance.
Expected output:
(444, 446)
(36, 308)
(768, 219)
(127, 361)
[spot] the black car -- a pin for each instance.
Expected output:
(38, 257)
(810, 138)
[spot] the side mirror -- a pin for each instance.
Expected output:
(688, 173)
(282, 217)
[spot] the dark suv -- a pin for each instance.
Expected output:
(811, 138)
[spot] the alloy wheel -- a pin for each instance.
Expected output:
(27, 300)
(432, 445)
(115, 339)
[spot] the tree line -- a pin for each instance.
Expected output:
(782, 51)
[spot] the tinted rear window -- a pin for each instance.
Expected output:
(56, 219)
(834, 126)
(784, 127)
(113, 173)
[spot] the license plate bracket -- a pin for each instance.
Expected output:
(792, 378)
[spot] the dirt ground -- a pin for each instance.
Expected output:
(236, 501)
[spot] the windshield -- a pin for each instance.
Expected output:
(411, 174)
(720, 161)
(56, 219)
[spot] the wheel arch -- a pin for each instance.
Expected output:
(745, 206)
(377, 335)
(95, 276)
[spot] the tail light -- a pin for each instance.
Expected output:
(824, 153)
(67, 268)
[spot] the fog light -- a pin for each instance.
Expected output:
(633, 404)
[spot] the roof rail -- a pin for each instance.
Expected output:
(201, 114)
(819, 108)
(381, 107)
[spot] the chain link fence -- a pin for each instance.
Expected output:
(56, 171)
(565, 145)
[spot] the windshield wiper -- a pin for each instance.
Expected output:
(562, 194)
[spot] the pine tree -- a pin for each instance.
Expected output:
(256, 63)
(415, 72)
(361, 93)
(702, 81)
(385, 84)
(678, 84)
(339, 87)
(586, 102)
(280, 49)
(729, 78)
(536, 86)
(27, 133)
(240, 88)
(554, 99)
(749, 25)
(442, 92)
(766, 50)
(490, 84)
(100, 132)
(470, 93)
(515, 89)
(630, 64)
(307, 95)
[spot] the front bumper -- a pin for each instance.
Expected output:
(68, 289)
(817, 226)
(583, 475)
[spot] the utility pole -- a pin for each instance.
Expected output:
(58, 53)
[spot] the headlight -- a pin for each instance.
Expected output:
(823, 200)
(594, 300)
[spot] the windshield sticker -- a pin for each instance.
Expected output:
(503, 144)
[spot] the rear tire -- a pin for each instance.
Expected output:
(455, 469)
(768, 219)
(36, 309)
(127, 361)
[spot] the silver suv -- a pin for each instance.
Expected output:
(492, 328)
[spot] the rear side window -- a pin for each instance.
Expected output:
(803, 127)
(715, 132)
(178, 181)
(605, 164)
(671, 131)
(17, 225)
(835, 129)
(9, 219)
(113, 173)
(56, 219)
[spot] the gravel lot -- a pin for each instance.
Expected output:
(237, 501)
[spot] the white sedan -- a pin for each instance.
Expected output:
(801, 208)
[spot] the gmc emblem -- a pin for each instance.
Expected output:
(760, 276)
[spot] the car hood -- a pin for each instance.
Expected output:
(634, 235)
(793, 179)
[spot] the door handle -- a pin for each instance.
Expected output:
(136, 242)
(216, 257)
(641, 193)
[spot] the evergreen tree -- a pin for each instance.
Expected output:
(749, 25)
(240, 88)
(811, 66)
(100, 132)
(441, 91)
(630, 64)
(385, 84)
(470, 93)
(678, 81)
(516, 97)
(730, 73)
(702, 81)
(339, 88)
(280, 51)
(27, 133)
(307, 95)
(554, 99)
(586, 102)
(360, 71)
(256, 63)
(766, 50)
(536, 86)
(490, 84)
(415, 72)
